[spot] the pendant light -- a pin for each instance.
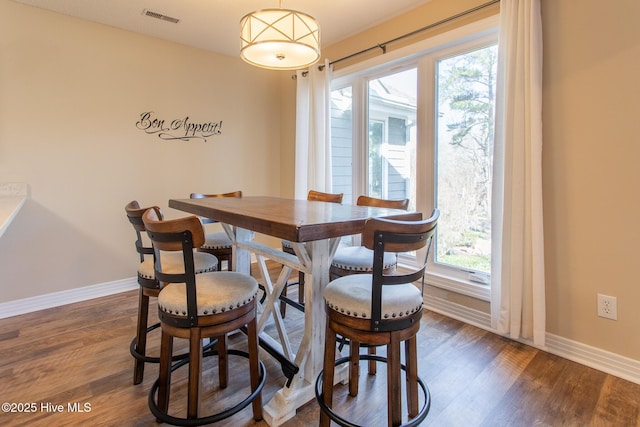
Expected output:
(279, 39)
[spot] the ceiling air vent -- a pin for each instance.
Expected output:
(160, 16)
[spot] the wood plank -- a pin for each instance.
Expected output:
(294, 220)
(534, 386)
(80, 354)
(485, 390)
(617, 404)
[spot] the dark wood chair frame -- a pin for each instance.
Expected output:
(185, 234)
(381, 235)
(383, 203)
(335, 272)
(223, 254)
(317, 196)
(149, 288)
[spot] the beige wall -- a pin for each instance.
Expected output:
(71, 93)
(591, 102)
(287, 133)
(591, 150)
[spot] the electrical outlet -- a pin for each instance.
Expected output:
(607, 307)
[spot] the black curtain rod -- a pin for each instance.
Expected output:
(383, 45)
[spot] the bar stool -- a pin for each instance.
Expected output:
(217, 243)
(150, 287)
(317, 196)
(195, 307)
(379, 309)
(358, 259)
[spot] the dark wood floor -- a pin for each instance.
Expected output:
(79, 354)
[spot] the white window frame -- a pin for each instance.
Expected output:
(422, 55)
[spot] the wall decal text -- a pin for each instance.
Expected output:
(177, 129)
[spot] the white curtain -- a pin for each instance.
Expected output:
(313, 136)
(518, 282)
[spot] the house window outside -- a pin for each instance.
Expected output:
(391, 102)
(433, 146)
(342, 142)
(383, 164)
(377, 161)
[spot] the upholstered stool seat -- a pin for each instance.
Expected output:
(358, 259)
(287, 246)
(217, 243)
(216, 293)
(352, 296)
(173, 262)
(217, 240)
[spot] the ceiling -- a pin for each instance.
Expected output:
(214, 25)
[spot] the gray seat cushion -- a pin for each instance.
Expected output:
(172, 262)
(351, 295)
(215, 293)
(217, 240)
(359, 258)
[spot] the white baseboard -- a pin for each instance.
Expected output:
(602, 360)
(596, 358)
(55, 299)
(459, 312)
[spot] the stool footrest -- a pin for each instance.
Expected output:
(152, 359)
(422, 414)
(289, 369)
(292, 303)
(164, 417)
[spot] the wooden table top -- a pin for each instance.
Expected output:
(294, 220)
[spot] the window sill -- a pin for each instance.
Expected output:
(464, 287)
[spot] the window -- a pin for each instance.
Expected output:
(464, 147)
(342, 142)
(422, 128)
(391, 101)
(382, 164)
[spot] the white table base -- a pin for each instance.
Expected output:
(313, 259)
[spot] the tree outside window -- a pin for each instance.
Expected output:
(465, 132)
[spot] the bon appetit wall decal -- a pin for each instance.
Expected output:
(178, 129)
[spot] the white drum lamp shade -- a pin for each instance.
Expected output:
(279, 39)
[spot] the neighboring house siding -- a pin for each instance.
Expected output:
(342, 152)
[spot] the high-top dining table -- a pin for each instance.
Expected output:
(314, 229)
